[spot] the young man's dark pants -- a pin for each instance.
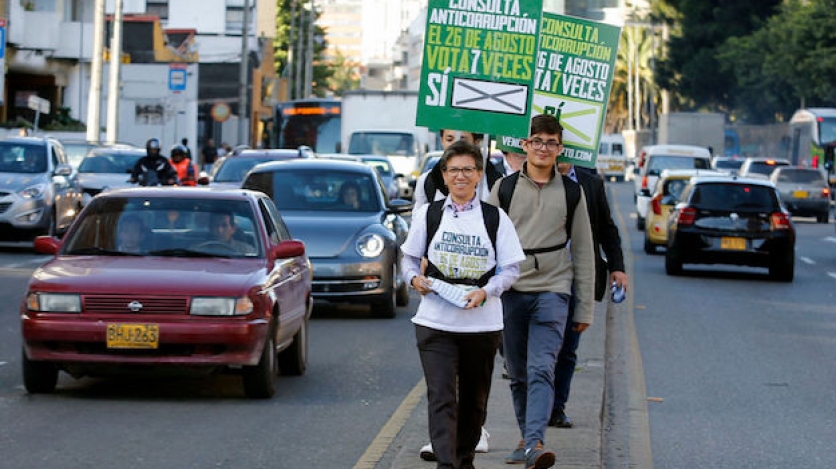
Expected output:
(457, 368)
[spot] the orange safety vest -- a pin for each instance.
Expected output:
(186, 172)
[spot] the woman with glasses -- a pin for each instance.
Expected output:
(469, 248)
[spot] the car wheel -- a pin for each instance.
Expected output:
(259, 380)
(384, 307)
(39, 377)
(639, 222)
(673, 266)
(649, 248)
(782, 267)
(293, 361)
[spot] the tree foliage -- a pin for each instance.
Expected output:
(290, 19)
(700, 28)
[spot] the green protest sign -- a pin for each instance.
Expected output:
(573, 79)
(479, 63)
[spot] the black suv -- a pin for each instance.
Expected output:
(737, 220)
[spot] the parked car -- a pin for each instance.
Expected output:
(229, 171)
(39, 190)
(141, 281)
(731, 220)
(354, 245)
(803, 191)
(665, 196)
(107, 168)
(655, 158)
(760, 167)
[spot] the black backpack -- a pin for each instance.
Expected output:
(573, 197)
(490, 215)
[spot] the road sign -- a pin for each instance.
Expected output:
(177, 77)
(2, 38)
(39, 104)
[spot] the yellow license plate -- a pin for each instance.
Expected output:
(737, 244)
(799, 194)
(144, 336)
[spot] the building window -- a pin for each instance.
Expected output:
(157, 9)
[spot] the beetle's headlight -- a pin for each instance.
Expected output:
(370, 245)
(32, 192)
(221, 306)
(54, 302)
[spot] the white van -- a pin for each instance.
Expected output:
(653, 160)
(612, 158)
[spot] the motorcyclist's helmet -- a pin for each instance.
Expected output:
(178, 152)
(152, 146)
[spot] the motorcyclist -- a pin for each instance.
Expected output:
(183, 165)
(153, 169)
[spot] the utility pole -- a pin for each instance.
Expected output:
(310, 55)
(298, 77)
(243, 134)
(115, 68)
(94, 98)
(291, 57)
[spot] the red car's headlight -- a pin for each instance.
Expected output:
(54, 302)
(221, 306)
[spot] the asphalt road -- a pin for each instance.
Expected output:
(738, 374)
(738, 368)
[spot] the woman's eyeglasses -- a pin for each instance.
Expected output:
(467, 171)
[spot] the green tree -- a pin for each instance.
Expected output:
(291, 18)
(636, 55)
(699, 31)
(345, 75)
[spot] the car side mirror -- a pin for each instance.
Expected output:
(47, 245)
(203, 181)
(63, 170)
(288, 249)
(399, 206)
(399, 176)
(668, 200)
(828, 166)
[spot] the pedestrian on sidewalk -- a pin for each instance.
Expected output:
(536, 307)
(604, 237)
(474, 248)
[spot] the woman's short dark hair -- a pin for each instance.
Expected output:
(462, 148)
(546, 124)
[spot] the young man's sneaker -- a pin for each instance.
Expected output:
(539, 458)
(482, 446)
(560, 420)
(518, 455)
(427, 453)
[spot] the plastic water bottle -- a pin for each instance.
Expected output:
(617, 293)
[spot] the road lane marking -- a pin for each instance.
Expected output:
(831, 239)
(374, 453)
(832, 274)
(807, 260)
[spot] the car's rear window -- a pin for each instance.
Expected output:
(659, 162)
(725, 196)
(804, 176)
(763, 167)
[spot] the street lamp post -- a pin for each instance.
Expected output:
(243, 135)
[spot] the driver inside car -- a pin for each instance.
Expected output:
(222, 229)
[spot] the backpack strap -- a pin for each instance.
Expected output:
(506, 190)
(573, 197)
(434, 212)
(434, 181)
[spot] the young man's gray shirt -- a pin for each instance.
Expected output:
(539, 215)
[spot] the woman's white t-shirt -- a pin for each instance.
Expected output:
(461, 248)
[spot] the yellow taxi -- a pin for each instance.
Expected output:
(665, 196)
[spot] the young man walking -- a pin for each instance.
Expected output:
(537, 305)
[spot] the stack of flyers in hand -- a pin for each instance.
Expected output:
(451, 292)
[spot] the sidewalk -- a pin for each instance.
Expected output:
(576, 448)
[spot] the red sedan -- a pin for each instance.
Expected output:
(171, 278)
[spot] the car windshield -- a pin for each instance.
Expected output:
(728, 164)
(804, 176)
(724, 196)
(659, 162)
(109, 163)
(170, 227)
(22, 158)
(382, 167)
(319, 190)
